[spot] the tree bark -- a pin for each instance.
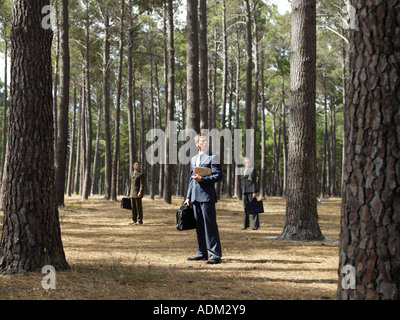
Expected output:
(31, 236)
(131, 96)
(86, 182)
(62, 132)
(55, 79)
(152, 125)
(78, 147)
(262, 171)
(94, 186)
(370, 224)
(4, 133)
(71, 150)
(168, 167)
(325, 146)
(284, 142)
(106, 106)
(192, 71)
(203, 72)
(301, 221)
(114, 173)
(249, 68)
(238, 181)
(256, 76)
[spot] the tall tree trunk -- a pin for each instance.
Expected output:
(284, 138)
(168, 167)
(344, 94)
(276, 178)
(203, 57)
(94, 186)
(262, 171)
(83, 134)
(131, 96)
(224, 91)
(88, 116)
(56, 67)
(79, 143)
(4, 133)
(230, 167)
(213, 86)
(62, 133)
(114, 174)
(249, 68)
(152, 126)
(141, 130)
(31, 236)
(256, 77)
(165, 76)
(192, 70)
(325, 146)
(159, 115)
(370, 224)
(106, 106)
(301, 220)
(333, 191)
(71, 150)
(238, 187)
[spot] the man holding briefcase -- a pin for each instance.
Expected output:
(136, 189)
(249, 188)
(201, 193)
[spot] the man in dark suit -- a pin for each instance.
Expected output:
(136, 189)
(249, 189)
(201, 193)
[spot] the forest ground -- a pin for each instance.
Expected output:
(111, 259)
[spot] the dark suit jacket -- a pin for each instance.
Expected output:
(137, 184)
(205, 191)
(249, 186)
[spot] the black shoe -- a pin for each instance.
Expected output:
(197, 258)
(213, 261)
(244, 228)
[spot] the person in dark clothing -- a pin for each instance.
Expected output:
(249, 189)
(136, 188)
(201, 193)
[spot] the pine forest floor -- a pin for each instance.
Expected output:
(111, 259)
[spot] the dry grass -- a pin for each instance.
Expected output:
(114, 260)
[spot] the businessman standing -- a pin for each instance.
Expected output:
(135, 191)
(201, 193)
(249, 188)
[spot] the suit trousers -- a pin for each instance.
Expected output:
(247, 197)
(137, 210)
(207, 230)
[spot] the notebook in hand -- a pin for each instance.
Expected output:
(202, 171)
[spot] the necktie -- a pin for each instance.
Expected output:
(198, 160)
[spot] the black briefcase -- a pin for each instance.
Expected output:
(126, 203)
(185, 218)
(254, 207)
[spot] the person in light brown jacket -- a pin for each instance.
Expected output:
(135, 192)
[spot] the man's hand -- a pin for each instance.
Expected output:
(254, 195)
(127, 194)
(187, 202)
(139, 195)
(197, 177)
